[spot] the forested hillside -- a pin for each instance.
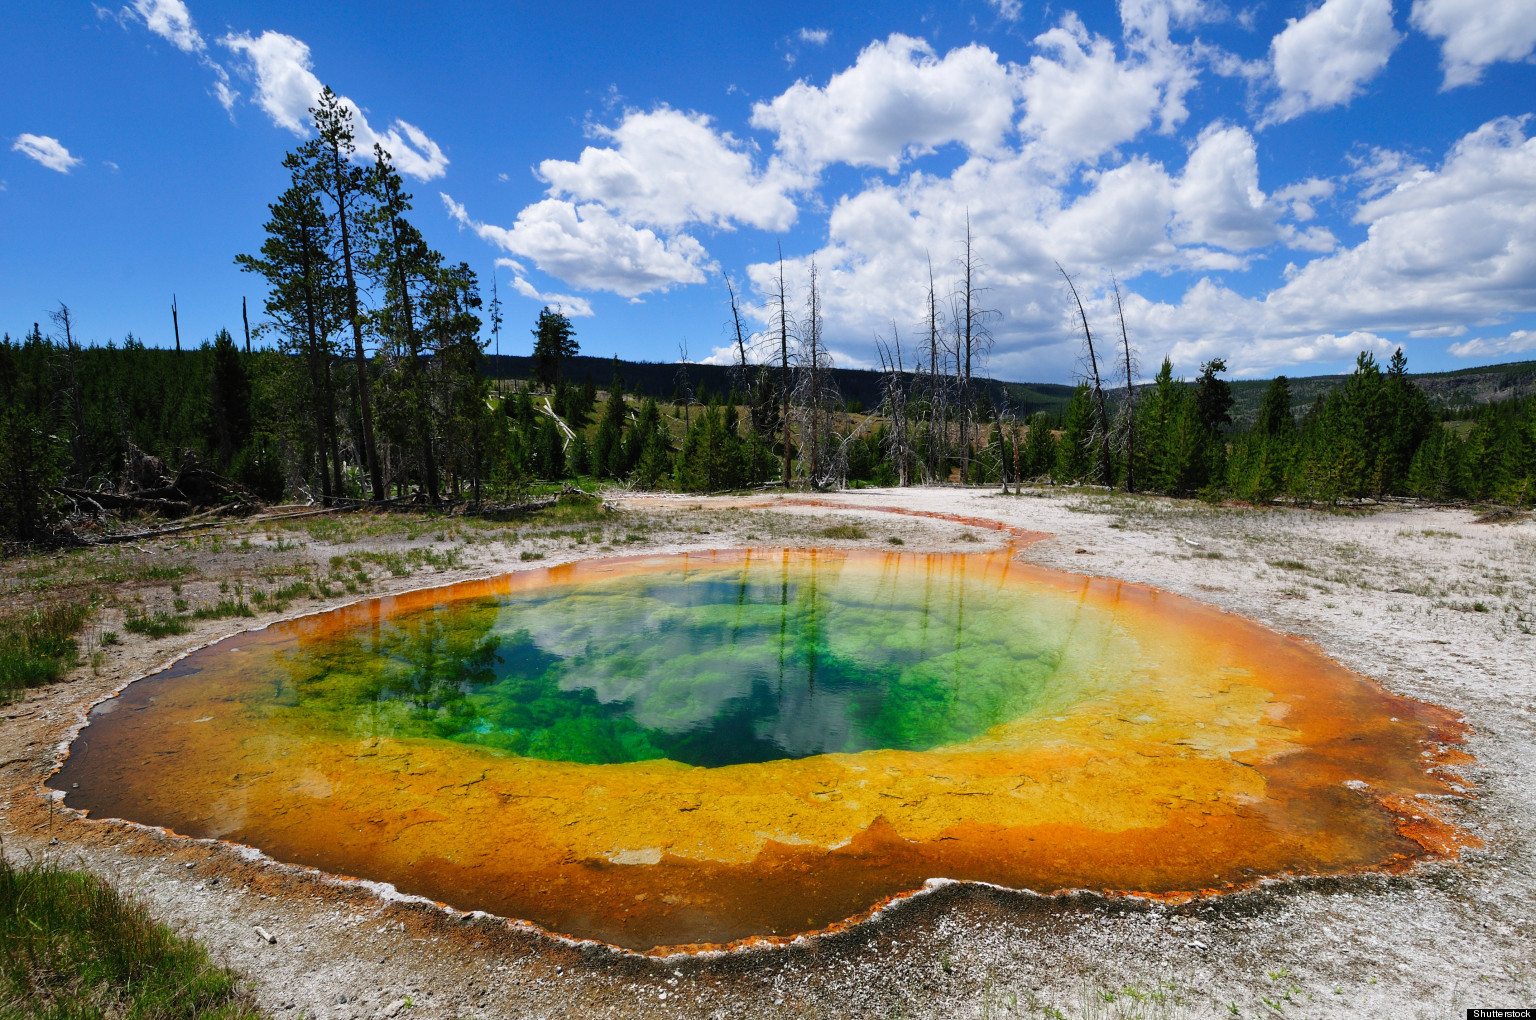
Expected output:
(370, 381)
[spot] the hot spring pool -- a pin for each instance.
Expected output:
(695, 749)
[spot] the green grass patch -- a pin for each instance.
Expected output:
(144, 572)
(73, 949)
(277, 600)
(158, 624)
(222, 609)
(844, 531)
(38, 647)
(1288, 564)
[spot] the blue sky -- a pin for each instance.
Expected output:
(1281, 184)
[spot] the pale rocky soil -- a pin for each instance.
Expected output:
(1427, 602)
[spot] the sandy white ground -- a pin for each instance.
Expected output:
(1427, 602)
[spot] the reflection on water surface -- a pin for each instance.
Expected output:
(772, 656)
(696, 749)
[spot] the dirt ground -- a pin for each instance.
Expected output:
(1427, 602)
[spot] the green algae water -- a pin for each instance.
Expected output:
(769, 657)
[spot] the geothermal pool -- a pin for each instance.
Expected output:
(695, 749)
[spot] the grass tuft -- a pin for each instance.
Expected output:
(38, 647)
(845, 531)
(222, 609)
(71, 947)
(158, 624)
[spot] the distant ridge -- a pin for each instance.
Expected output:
(658, 379)
(1465, 387)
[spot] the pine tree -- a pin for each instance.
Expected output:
(229, 388)
(32, 462)
(1073, 452)
(1435, 472)
(1274, 418)
(654, 460)
(307, 302)
(581, 456)
(349, 189)
(554, 341)
(608, 455)
(1039, 454)
(411, 272)
(1261, 457)
(549, 449)
(1408, 420)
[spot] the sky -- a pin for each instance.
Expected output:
(1281, 184)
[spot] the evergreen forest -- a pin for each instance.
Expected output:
(369, 380)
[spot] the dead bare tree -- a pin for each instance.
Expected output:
(937, 427)
(64, 322)
(1125, 418)
(740, 373)
(815, 394)
(899, 438)
(1098, 438)
(1007, 444)
(784, 388)
(682, 381)
(972, 339)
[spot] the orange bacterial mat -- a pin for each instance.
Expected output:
(693, 750)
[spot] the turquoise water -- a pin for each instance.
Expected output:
(755, 661)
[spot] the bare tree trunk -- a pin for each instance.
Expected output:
(176, 323)
(784, 363)
(319, 371)
(413, 342)
(1129, 411)
(813, 337)
(965, 375)
(370, 447)
(935, 404)
(741, 338)
(895, 396)
(1100, 439)
(64, 319)
(972, 340)
(247, 320)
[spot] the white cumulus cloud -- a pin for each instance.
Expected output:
(1520, 341)
(1217, 200)
(286, 87)
(171, 20)
(568, 304)
(588, 247)
(1325, 58)
(1444, 248)
(667, 168)
(1476, 33)
(48, 151)
(898, 100)
(1082, 99)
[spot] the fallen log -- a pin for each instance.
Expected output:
(119, 501)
